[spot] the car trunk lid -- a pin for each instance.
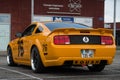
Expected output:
(82, 36)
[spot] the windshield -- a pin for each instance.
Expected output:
(54, 25)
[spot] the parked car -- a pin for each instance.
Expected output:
(46, 44)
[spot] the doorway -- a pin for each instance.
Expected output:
(4, 31)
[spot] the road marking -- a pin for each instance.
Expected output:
(21, 73)
(16, 79)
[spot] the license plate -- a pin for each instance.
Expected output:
(86, 62)
(87, 53)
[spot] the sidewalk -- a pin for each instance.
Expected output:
(118, 47)
(3, 53)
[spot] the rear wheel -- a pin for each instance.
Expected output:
(36, 62)
(10, 60)
(96, 68)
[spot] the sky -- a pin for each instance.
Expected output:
(109, 10)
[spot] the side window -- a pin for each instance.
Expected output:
(39, 30)
(29, 30)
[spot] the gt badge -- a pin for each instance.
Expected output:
(85, 39)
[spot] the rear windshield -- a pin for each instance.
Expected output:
(54, 25)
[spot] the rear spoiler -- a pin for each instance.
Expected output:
(66, 30)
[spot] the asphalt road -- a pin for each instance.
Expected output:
(111, 72)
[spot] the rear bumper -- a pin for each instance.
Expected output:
(59, 55)
(78, 61)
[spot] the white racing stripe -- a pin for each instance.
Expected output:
(21, 73)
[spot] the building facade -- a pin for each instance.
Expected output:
(15, 15)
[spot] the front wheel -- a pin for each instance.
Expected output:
(96, 68)
(10, 61)
(36, 62)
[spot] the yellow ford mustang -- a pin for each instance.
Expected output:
(45, 44)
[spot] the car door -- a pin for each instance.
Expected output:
(24, 44)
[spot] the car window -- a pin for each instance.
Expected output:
(39, 29)
(54, 25)
(29, 30)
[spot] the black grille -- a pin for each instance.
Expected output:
(78, 39)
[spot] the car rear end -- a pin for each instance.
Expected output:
(80, 47)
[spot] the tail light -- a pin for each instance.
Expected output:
(61, 39)
(106, 40)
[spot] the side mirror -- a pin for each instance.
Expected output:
(18, 35)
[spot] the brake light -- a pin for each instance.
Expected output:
(106, 40)
(61, 39)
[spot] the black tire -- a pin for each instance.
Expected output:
(36, 62)
(10, 60)
(96, 68)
